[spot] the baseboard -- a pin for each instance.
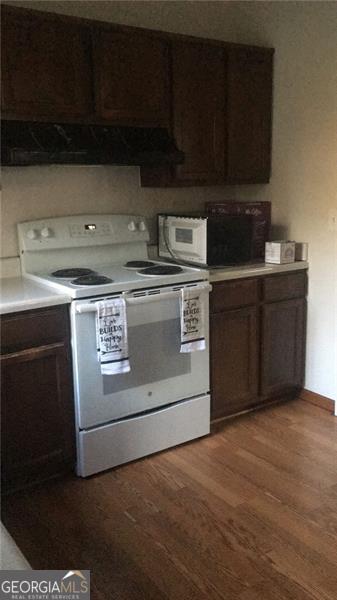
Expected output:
(318, 400)
(258, 406)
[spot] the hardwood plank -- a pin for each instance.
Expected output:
(189, 521)
(275, 454)
(296, 530)
(280, 590)
(271, 480)
(325, 518)
(249, 513)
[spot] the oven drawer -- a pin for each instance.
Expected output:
(122, 441)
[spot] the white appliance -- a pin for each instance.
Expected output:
(164, 400)
(183, 238)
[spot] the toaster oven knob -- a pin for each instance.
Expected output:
(32, 234)
(142, 226)
(46, 232)
(132, 226)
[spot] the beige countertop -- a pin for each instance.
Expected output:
(259, 269)
(19, 293)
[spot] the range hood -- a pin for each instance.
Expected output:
(31, 143)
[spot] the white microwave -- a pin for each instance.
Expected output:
(206, 240)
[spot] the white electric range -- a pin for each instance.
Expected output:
(164, 399)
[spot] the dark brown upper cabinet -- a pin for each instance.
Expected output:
(215, 97)
(198, 97)
(249, 115)
(132, 77)
(46, 67)
(222, 115)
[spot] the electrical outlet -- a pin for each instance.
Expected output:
(332, 222)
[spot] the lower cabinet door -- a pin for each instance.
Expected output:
(36, 414)
(234, 361)
(283, 346)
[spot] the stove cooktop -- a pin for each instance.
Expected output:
(84, 256)
(111, 279)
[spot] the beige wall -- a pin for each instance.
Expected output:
(304, 181)
(38, 192)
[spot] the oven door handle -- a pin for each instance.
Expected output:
(163, 295)
(146, 298)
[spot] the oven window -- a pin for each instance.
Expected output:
(154, 350)
(184, 235)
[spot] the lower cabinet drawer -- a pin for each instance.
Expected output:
(34, 328)
(285, 287)
(232, 294)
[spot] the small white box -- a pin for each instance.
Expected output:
(280, 252)
(301, 251)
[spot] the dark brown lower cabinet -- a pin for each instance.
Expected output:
(283, 334)
(257, 332)
(234, 360)
(37, 414)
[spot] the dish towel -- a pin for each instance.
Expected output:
(112, 336)
(192, 320)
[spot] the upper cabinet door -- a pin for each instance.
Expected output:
(46, 69)
(132, 77)
(198, 79)
(249, 114)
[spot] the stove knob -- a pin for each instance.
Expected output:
(142, 226)
(46, 232)
(32, 234)
(132, 226)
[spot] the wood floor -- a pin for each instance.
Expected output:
(249, 513)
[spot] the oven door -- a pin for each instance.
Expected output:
(160, 375)
(183, 238)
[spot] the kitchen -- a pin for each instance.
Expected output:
(301, 190)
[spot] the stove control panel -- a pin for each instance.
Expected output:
(91, 229)
(34, 234)
(81, 231)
